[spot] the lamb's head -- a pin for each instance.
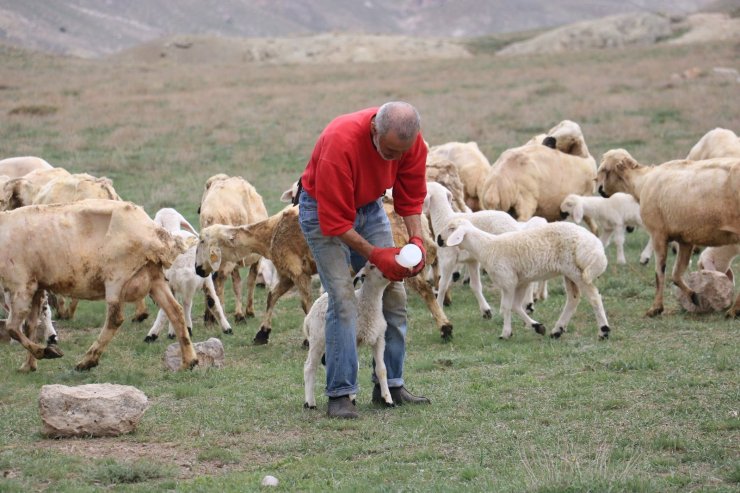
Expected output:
(454, 233)
(572, 206)
(567, 137)
(610, 177)
(371, 277)
(290, 194)
(437, 190)
(208, 253)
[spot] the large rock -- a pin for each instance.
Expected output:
(95, 410)
(714, 290)
(210, 353)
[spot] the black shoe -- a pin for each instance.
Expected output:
(342, 407)
(399, 395)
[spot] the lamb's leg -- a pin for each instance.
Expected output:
(142, 312)
(572, 297)
(680, 266)
(216, 305)
(619, 242)
(518, 306)
(647, 252)
(20, 305)
(594, 298)
(219, 281)
(187, 305)
(160, 292)
(282, 287)
(507, 300)
(159, 322)
(540, 292)
(380, 370)
(606, 236)
(31, 323)
(50, 334)
(446, 260)
(113, 320)
(660, 246)
(236, 284)
(477, 287)
(251, 282)
(315, 351)
(425, 291)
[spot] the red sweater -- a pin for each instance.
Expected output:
(345, 172)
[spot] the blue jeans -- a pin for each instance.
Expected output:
(333, 259)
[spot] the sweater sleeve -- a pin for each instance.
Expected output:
(410, 187)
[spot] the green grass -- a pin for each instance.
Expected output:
(653, 409)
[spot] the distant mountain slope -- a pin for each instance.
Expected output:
(92, 28)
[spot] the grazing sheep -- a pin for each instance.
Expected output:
(532, 180)
(183, 280)
(716, 143)
(371, 326)
(232, 200)
(690, 202)
(16, 167)
(513, 260)
(472, 166)
(719, 259)
(612, 215)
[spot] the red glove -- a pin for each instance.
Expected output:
(385, 260)
(420, 266)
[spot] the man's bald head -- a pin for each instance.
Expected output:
(400, 117)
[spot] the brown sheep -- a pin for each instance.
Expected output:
(719, 142)
(472, 166)
(690, 202)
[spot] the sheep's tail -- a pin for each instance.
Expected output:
(591, 259)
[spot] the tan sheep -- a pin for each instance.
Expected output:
(533, 180)
(719, 142)
(18, 192)
(15, 167)
(444, 172)
(472, 166)
(232, 200)
(690, 202)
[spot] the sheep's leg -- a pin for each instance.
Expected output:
(113, 320)
(734, 310)
(315, 351)
(518, 306)
(660, 246)
(50, 334)
(447, 260)
(540, 293)
(162, 295)
(159, 322)
(251, 282)
(680, 266)
(594, 298)
(380, 370)
(282, 287)
(142, 312)
(187, 305)
(647, 252)
(236, 284)
(425, 291)
(591, 224)
(507, 300)
(619, 242)
(73, 302)
(477, 287)
(528, 300)
(31, 323)
(606, 237)
(572, 297)
(216, 305)
(20, 304)
(218, 279)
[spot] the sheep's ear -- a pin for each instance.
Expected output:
(287, 196)
(456, 237)
(578, 213)
(214, 258)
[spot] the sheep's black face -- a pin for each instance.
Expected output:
(602, 192)
(564, 215)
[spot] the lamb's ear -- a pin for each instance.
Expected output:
(456, 237)
(287, 196)
(578, 213)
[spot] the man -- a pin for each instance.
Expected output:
(356, 158)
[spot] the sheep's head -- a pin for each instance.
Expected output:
(610, 176)
(567, 137)
(572, 206)
(436, 189)
(371, 276)
(454, 232)
(208, 252)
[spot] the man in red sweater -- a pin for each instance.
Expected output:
(356, 158)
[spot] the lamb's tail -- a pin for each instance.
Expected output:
(591, 259)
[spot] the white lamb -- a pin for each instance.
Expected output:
(183, 280)
(371, 326)
(613, 215)
(438, 207)
(719, 259)
(513, 260)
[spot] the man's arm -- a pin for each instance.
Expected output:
(356, 242)
(413, 225)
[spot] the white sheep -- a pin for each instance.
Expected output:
(437, 205)
(613, 215)
(371, 326)
(183, 280)
(15, 167)
(719, 142)
(513, 260)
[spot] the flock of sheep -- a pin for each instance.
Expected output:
(506, 217)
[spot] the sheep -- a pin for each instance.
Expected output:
(472, 165)
(690, 202)
(16, 167)
(716, 143)
(437, 206)
(444, 172)
(515, 259)
(371, 326)
(612, 215)
(534, 179)
(232, 200)
(21, 191)
(719, 259)
(182, 279)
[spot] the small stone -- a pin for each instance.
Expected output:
(270, 481)
(210, 353)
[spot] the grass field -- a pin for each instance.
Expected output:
(654, 408)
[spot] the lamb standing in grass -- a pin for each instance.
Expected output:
(371, 326)
(612, 215)
(513, 260)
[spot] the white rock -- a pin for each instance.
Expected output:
(714, 290)
(91, 410)
(210, 353)
(270, 481)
